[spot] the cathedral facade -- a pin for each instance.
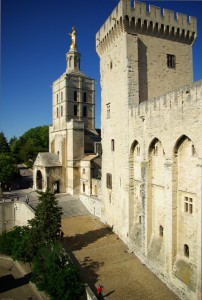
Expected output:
(152, 141)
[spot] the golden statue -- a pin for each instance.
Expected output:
(73, 37)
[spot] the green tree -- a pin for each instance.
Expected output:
(21, 244)
(4, 147)
(15, 242)
(7, 242)
(32, 142)
(54, 273)
(45, 226)
(8, 167)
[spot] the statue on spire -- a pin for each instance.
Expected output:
(73, 37)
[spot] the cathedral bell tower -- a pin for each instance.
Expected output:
(73, 108)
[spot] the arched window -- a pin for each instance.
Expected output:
(57, 97)
(84, 187)
(61, 96)
(57, 112)
(61, 111)
(75, 110)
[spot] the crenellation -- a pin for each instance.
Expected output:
(137, 19)
(154, 13)
(179, 98)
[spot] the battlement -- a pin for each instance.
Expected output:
(137, 19)
(179, 98)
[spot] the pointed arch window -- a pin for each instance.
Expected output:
(57, 112)
(61, 96)
(61, 111)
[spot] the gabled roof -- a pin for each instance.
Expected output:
(46, 159)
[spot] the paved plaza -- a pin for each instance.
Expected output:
(102, 256)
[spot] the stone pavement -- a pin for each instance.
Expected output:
(103, 257)
(105, 260)
(13, 284)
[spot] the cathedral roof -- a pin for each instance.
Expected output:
(46, 159)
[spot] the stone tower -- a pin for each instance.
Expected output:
(151, 142)
(73, 107)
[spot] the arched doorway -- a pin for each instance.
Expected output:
(39, 179)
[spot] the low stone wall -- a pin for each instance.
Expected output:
(23, 213)
(93, 204)
(15, 213)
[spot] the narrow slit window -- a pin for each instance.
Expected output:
(84, 97)
(109, 180)
(161, 230)
(186, 250)
(75, 110)
(112, 145)
(84, 111)
(75, 95)
(108, 110)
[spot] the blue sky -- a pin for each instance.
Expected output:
(34, 41)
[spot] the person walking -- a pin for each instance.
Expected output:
(99, 291)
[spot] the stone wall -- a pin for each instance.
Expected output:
(151, 180)
(93, 204)
(14, 214)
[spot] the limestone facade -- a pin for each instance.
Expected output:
(72, 135)
(151, 139)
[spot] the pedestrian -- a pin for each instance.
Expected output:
(17, 198)
(62, 235)
(27, 199)
(99, 291)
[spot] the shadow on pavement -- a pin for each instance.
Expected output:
(79, 241)
(8, 282)
(88, 267)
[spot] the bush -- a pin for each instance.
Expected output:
(54, 273)
(15, 243)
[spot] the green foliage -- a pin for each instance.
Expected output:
(4, 147)
(45, 227)
(53, 271)
(6, 242)
(21, 244)
(15, 243)
(32, 142)
(56, 274)
(7, 167)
